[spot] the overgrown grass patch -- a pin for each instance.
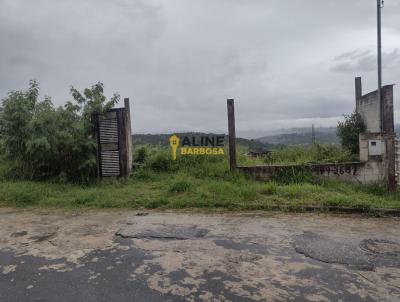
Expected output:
(180, 186)
(196, 182)
(193, 193)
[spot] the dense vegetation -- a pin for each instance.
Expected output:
(349, 130)
(39, 141)
(317, 153)
(197, 182)
(48, 160)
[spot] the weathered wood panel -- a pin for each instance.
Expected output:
(113, 132)
(109, 145)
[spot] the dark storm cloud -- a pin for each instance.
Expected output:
(179, 60)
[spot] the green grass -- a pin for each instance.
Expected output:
(185, 191)
(195, 182)
(317, 153)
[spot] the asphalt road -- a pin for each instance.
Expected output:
(133, 256)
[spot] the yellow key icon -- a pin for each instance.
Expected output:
(174, 142)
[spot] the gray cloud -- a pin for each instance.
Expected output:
(179, 60)
(365, 61)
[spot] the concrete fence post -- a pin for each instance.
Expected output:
(232, 134)
(358, 85)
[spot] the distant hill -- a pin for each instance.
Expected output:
(294, 136)
(302, 136)
(162, 140)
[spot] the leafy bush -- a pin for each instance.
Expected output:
(141, 155)
(161, 162)
(40, 141)
(349, 130)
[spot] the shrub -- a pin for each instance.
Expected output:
(349, 130)
(41, 141)
(180, 186)
(141, 155)
(162, 162)
(143, 174)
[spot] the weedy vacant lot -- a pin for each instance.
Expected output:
(203, 182)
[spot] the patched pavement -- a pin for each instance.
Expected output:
(120, 255)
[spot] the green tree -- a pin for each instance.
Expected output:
(40, 141)
(349, 131)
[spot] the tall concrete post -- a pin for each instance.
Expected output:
(389, 134)
(358, 85)
(232, 134)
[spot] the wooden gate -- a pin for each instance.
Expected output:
(114, 143)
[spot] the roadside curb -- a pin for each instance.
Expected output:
(337, 209)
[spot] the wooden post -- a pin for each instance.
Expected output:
(122, 143)
(127, 106)
(129, 134)
(232, 134)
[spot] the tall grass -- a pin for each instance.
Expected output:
(317, 153)
(195, 182)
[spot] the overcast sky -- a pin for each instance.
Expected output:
(287, 63)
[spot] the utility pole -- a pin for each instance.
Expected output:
(313, 134)
(380, 4)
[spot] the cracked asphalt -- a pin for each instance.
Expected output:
(122, 255)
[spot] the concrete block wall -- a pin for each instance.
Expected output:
(364, 141)
(342, 171)
(368, 106)
(378, 167)
(369, 109)
(371, 172)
